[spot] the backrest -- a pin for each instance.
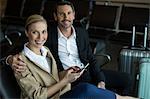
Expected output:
(134, 16)
(13, 8)
(99, 50)
(32, 7)
(81, 8)
(103, 16)
(48, 10)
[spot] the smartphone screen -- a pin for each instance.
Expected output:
(85, 67)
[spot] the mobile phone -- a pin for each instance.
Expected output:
(84, 67)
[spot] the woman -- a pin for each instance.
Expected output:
(41, 80)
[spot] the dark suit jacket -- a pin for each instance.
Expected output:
(85, 53)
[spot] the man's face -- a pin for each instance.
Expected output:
(64, 16)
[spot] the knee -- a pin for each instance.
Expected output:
(86, 87)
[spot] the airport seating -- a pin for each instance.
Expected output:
(132, 16)
(102, 21)
(103, 58)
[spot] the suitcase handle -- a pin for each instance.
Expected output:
(145, 38)
(133, 36)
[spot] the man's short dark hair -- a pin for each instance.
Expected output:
(60, 3)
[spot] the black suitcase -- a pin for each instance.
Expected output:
(129, 58)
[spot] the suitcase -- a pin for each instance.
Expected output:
(144, 79)
(129, 58)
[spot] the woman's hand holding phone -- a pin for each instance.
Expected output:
(83, 69)
(77, 69)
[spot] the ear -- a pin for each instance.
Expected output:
(26, 33)
(55, 16)
(74, 15)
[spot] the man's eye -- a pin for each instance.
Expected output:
(69, 12)
(61, 14)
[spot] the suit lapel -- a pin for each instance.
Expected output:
(78, 40)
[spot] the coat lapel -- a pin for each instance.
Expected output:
(54, 70)
(53, 66)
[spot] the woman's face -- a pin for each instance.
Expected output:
(37, 34)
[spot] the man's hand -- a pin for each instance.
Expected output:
(17, 64)
(101, 85)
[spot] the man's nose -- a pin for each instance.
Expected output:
(65, 16)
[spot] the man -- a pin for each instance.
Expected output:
(70, 47)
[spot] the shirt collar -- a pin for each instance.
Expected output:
(61, 35)
(29, 52)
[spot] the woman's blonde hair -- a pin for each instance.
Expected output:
(34, 18)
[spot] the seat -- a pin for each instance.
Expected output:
(29, 9)
(12, 44)
(14, 39)
(8, 85)
(82, 15)
(102, 25)
(134, 16)
(12, 9)
(114, 79)
(100, 53)
(49, 9)
(13, 12)
(131, 16)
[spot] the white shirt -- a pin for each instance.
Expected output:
(41, 60)
(67, 50)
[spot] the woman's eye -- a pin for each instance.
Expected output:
(34, 32)
(44, 31)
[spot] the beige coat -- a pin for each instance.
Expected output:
(35, 80)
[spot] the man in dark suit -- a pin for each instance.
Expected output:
(76, 46)
(85, 55)
(70, 47)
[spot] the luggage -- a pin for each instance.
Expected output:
(130, 57)
(144, 81)
(129, 60)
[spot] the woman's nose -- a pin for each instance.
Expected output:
(40, 36)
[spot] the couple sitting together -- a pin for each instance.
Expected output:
(58, 73)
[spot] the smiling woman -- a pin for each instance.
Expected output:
(41, 69)
(36, 31)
